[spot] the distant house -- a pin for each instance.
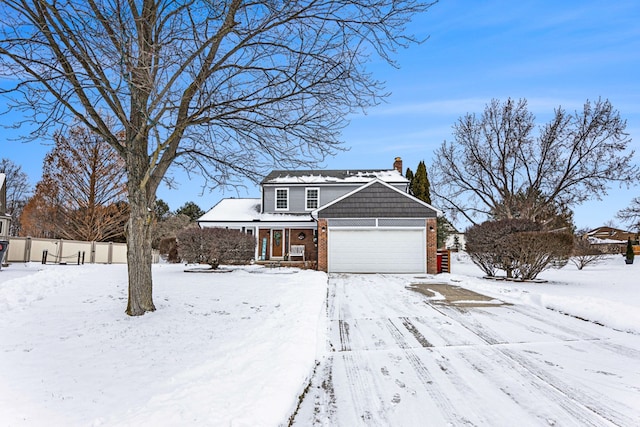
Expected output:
(355, 221)
(611, 240)
(5, 220)
(455, 240)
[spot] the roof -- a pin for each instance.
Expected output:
(377, 199)
(333, 176)
(235, 209)
(611, 235)
(246, 210)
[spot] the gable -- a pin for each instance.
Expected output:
(377, 200)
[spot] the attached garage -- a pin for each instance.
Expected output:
(377, 229)
(378, 250)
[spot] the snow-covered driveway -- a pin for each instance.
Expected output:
(396, 358)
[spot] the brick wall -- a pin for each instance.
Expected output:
(432, 246)
(323, 260)
(310, 250)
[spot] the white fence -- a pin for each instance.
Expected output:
(27, 249)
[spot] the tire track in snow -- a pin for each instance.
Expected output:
(586, 409)
(415, 332)
(365, 396)
(604, 344)
(345, 338)
(436, 394)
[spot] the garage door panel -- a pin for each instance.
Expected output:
(377, 251)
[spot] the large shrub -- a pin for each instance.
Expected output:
(535, 251)
(215, 246)
(489, 246)
(519, 247)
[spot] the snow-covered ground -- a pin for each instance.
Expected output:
(398, 357)
(607, 293)
(223, 349)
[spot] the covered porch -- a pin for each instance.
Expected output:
(287, 244)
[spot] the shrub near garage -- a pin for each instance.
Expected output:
(538, 251)
(520, 247)
(215, 246)
(490, 247)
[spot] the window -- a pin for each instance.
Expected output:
(312, 198)
(282, 199)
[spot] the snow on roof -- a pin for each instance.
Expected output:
(228, 210)
(333, 176)
(233, 210)
(598, 241)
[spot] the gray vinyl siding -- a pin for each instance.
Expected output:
(377, 201)
(328, 193)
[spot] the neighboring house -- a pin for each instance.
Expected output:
(345, 220)
(456, 241)
(611, 240)
(5, 220)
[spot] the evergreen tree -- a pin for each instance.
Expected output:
(409, 174)
(191, 210)
(630, 254)
(161, 209)
(420, 187)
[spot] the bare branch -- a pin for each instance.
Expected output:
(498, 167)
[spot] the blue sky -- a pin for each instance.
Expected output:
(553, 53)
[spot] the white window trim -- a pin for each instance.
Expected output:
(276, 199)
(306, 198)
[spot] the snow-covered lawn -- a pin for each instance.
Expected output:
(232, 349)
(607, 293)
(221, 349)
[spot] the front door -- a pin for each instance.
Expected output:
(277, 243)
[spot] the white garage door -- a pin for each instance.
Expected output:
(377, 250)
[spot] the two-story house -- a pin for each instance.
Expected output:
(347, 220)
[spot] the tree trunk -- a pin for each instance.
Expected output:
(139, 251)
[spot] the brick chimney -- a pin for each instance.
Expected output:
(397, 165)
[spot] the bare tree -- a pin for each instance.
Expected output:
(18, 190)
(226, 88)
(82, 194)
(498, 166)
(584, 253)
(631, 214)
(39, 216)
